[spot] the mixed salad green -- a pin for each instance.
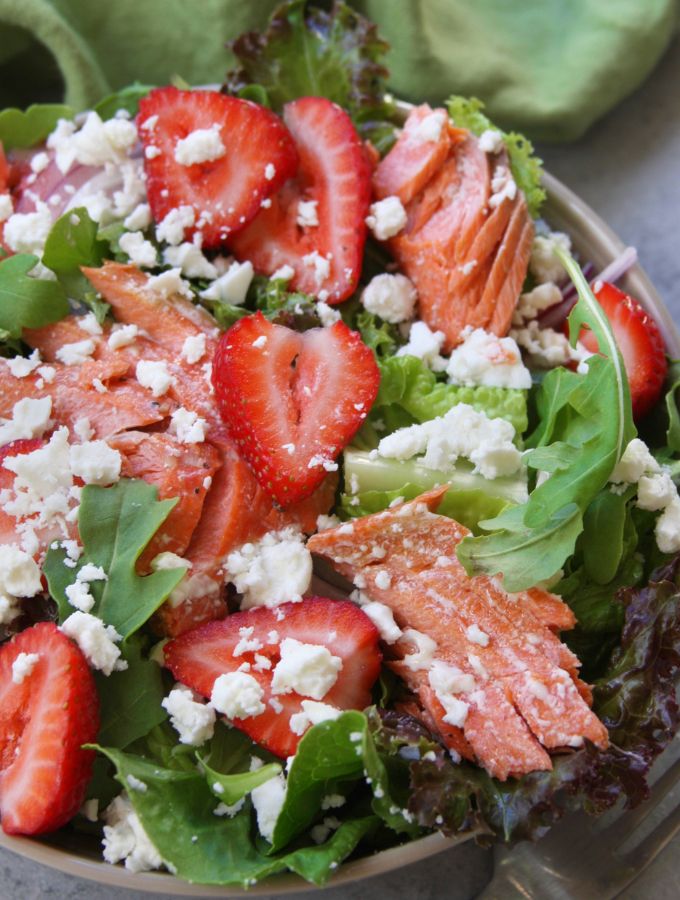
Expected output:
(370, 780)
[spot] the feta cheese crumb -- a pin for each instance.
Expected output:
(475, 634)
(386, 218)
(95, 462)
(635, 462)
(547, 348)
(237, 695)
(543, 264)
(446, 681)
(27, 232)
(425, 345)
(6, 207)
(383, 619)
(276, 569)
(188, 426)
(23, 666)
(77, 353)
(189, 258)
(308, 669)
(122, 336)
(327, 314)
(424, 653)
(171, 229)
(285, 273)
(125, 838)
(23, 366)
(95, 143)
(154, 375)
(503, 186)
(655, 492)
(320, 265)
(201, 145)
(268, 801)
(96, 640)
(139, 218)
(168, 283)
(193, 719)
(429, 128)
(232, 286)
(312, 713)
(491, 141)
(392, 297)
(140, 252)
(307, 214)
(486, 360)
(269, 171)
(194, 348)
(667, 529)
(30, 419)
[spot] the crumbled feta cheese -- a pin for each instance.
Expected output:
(260, 342)
(543, 264)
(172, 228)
(386, 218)
(429, 128)
(392, 297)
(548, 348)
(667, 529)
(327, 314)
(383, 580)
(232, 286)
(194, 348)
(6, 207)
(446, 680)
(542, 297)
(308, 669)
(491, 141)
(223, 809)
(23, 366)
(319, 833)
(268, 801)
(307, 214)
(503, 187)
(273, 570)
(30, 419)
(312, 713)
(77, 353)
(237, 695)
(189, 258)
(323, 523)
(424, 653)
(487, 360)
(320, 264)
(383, 619)
(655, 492)
(269, 171)
(333, 801)
(125, 838)
(285, 273)
(19, 573)
(154, 375)
(95, 462)
(193, 719)
(169, 560)
(462, 431)
(96, 640)
(635, 462)
(94, 144)
(325, 463)
(140, 252)
(122, 336)
(27, 232)
(425, 345)
(168, 283)
(23, 666)
(475, 634)
(139, 218)
(201, 145)
(188, 426)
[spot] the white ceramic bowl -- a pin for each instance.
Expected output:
(76, 855)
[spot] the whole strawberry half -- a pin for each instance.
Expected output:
(640, 342)
(292, 401)
(200, 656)
(44, 720)
(334, 176)
(225, 191)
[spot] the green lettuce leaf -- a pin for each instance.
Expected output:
(527, 168)
(115, 525)
(127, 98)
(21, 129)
(27, 302)
(177, 813)
(306, 51)
(585, 424)
(672, 408)
(231, 787)
(72, 243)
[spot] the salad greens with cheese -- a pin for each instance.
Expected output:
(559, 515)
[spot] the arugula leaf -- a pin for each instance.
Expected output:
(586, 425)
(115, 524)
(27, 302)
(126, 98)
(231, 787)
(72, 243)
(21, 129)
(177, 813)
(527, 168)
(307, 51)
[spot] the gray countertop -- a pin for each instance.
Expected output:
(628, 169)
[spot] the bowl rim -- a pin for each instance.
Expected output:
(588, 229)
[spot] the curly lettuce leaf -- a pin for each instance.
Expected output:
(527, 169)
(586, 423)
(21, 129)
(115, 525)
(25, 301)
(306, 51)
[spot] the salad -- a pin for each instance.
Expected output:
(250, 332)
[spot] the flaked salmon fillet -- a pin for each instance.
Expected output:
(522, 696)
(466, 245)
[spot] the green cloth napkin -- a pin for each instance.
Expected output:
(546, 67)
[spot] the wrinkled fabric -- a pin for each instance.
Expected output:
(546, 67)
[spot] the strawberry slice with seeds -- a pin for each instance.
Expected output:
(640, 342)
(217, 154)
(199, 657)
(333, 181)
(48, 709)
(292, 401)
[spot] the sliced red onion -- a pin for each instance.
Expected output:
(618, 267)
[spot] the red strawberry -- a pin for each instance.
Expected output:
(200, 656)
(227, 191)
(44, 720)
(640, 343)
(335, 173)
(292, 401)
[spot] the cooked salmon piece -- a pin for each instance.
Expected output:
(184, 471)
(520, 697)
(467, 241)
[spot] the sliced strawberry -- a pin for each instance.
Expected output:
(226, 191)
(641, 345)
(292, 401)
(335, 173)
(200, 656)
(44, 721)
